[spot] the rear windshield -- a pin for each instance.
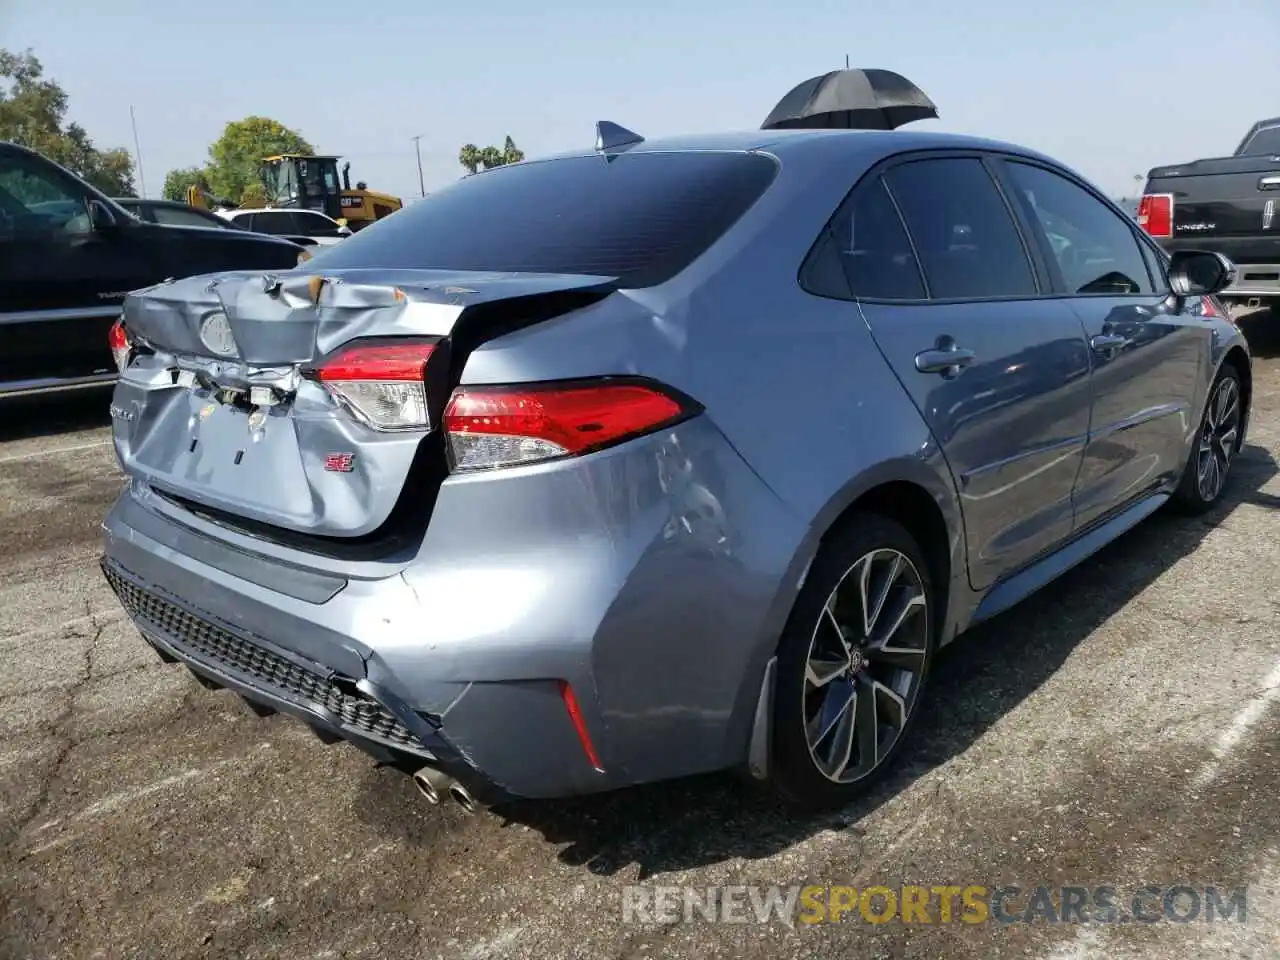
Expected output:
(1266, 141)
(640, 217)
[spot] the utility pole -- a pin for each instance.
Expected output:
(137, 154)
(846, 61)
(417, 146)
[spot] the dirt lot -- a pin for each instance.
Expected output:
(1120, 729)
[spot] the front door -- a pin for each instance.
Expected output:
(61, 282)
(1148, 356)
(1001, 375)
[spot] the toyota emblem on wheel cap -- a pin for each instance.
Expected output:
(215, 333)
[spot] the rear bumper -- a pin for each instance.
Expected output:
(651, 578)
(1255, 280)
(278, 681)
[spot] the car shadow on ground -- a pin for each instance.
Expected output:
(977, 680)
(1261, 327)
(28, 418)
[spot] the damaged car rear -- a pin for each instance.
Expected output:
(435, 493)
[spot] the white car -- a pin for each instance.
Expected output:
(294, 224)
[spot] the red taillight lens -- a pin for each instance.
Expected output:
(505, 426)
(118, 339)
(382, 382)
(1155, 214)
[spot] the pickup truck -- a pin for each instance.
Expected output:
(1229, 205)
(68, 256)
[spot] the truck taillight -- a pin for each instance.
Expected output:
(382, 381)
(118, 339)
(1155, 214)
(506, 426)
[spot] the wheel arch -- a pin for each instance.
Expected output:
(917, 495)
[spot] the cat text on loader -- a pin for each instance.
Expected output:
(311, 182)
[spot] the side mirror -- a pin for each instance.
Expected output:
(101, 220)
(1199, 273)
(344, 231)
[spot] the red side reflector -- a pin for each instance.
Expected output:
(503, 426)
(1155, 214)
(575, 716)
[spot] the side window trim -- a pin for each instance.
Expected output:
(1042, 239)
(911, 242)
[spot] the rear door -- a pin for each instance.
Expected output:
(1148, 357)
(952, 294)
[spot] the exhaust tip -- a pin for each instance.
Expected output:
(463, 797)
(425, 781)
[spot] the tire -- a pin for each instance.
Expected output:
(1215, 447)
(819, 670)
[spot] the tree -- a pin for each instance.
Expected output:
(473, 158)
(235, 158)
(254, 197)
(176, 182)
(469, 157)
(32, 113)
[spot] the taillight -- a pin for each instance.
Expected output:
(490, 427)
(1155, 214)
(118, 338)
(381, 382)
(1206, 308)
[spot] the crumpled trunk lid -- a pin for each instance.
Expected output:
(220, 410)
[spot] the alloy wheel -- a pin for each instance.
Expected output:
(865, 665)
(1218, 439)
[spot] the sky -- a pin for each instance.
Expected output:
(1110, 88)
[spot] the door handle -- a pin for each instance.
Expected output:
(1269, 183)
(1106, 342)
(946, 358)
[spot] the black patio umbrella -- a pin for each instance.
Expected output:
(851, 100)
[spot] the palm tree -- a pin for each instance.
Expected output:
(469, 156)
(491, 157)
(510, 152)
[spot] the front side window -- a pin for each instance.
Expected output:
(275, 222)
(35, 200)
(1095, 249)
(963, 233)
(314, 225)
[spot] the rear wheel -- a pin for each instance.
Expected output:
(852, 663)
(1216, 445)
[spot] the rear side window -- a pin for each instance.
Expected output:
(963, 232)
(639, 217)
(874, 249)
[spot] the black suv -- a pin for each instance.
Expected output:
(68, 256)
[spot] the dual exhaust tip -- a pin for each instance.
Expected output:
(435, 785)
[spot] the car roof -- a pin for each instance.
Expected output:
(835, 142)
(240, 210)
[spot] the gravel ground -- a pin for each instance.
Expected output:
(1119, 729)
